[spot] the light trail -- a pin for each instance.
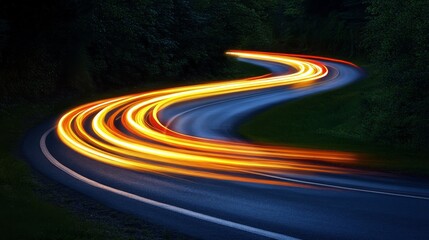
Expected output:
(127, 132)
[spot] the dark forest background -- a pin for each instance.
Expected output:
(55, 48)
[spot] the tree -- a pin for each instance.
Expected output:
(397, 38)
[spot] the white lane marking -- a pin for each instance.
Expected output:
(292, 179)
(340, 187)
(169, 207)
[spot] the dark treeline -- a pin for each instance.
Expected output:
(397, 41)
(54, 47)
(81, 45)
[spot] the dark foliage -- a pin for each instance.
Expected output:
(53, 47)
(397, 41)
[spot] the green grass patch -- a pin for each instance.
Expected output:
(24, 215)
(332, 120)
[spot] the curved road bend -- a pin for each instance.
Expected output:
(340, 203)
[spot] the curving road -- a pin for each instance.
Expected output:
(172, 157)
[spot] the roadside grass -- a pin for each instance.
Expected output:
(25, 213)
(332, 120)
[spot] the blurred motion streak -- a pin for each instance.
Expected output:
(126, 131)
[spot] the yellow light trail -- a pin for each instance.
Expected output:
(144, 143)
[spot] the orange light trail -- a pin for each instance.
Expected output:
(144, 143)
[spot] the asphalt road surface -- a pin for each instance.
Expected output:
(346, 204)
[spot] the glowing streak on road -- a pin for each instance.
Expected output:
(127, 132)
